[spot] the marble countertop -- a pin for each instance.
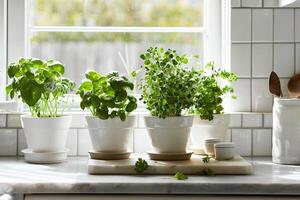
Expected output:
(16, 176)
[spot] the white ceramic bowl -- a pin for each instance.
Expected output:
(209, 147)
(224, 151)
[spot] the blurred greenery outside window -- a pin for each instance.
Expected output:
(107, 35)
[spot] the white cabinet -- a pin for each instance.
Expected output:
(151, 197)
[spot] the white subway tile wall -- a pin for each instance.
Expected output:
(241, 128)
(252, 3)
(242, 88)
(252, 120)
(262, 28)
(261, 98)
(284, 25)
(262, 60)
(241, 25)
(268, 120)
(241, 59)
(242, 140)
(264, 37)
(262, 142)
(8, 142)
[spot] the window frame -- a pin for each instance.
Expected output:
(3, 46)
(215, 32)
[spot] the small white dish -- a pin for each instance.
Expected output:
(209, 147)
(224, 151)
(44, 157)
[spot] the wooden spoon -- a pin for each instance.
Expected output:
(294, 86)
(274, 85)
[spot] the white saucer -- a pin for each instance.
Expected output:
(45, 157)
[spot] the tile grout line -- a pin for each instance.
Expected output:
(251, 142)
(77, 149)
(294, 27)
(17, 143)
(251, 58)
(273, 44)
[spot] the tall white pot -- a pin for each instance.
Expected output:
(111, 135)
(205, 129)
(286, 131)
(46, 134)
(169, 135)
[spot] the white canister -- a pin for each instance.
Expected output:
(286, 131)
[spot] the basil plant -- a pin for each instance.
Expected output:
(40, 85)
(107, 96)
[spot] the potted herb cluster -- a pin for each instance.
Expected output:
(42, 87)
(210, 120)
(168, 90)
(108, 100)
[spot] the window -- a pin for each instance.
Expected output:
(107, 35)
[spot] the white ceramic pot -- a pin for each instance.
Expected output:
(286, 131)
(169, 135)
(205, 129)
(111, 135)
(46, 134)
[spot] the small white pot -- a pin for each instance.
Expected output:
(169, 135)
(205, 129)
(46, 134)
(111, 135)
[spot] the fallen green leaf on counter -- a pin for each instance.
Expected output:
(180, 176)
(141, 165)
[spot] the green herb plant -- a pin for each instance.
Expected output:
(39, 84)
(180, 176)
(168, 87)
(107, 96)
(213, 86)
(141, 165)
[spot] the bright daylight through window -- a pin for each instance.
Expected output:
(107, 35)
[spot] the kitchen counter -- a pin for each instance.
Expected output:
(16, 176)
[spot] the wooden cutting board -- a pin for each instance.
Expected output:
(236, 166)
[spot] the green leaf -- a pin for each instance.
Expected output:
(131, 106)
(58, 67)
(92, 75)
(122, 115)
(31, 92)
(108, 101)
(180, 176)
(121, 95)
(142, 56)
(206, 159)
(141, 165)
(95, 101)
(13, 69)
(102, 112)
(86, 86)
(36, 62)
(113, 114)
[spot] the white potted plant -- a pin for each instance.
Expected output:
(42, 87)
(110, 125)
(167, 91)
(210, 120)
